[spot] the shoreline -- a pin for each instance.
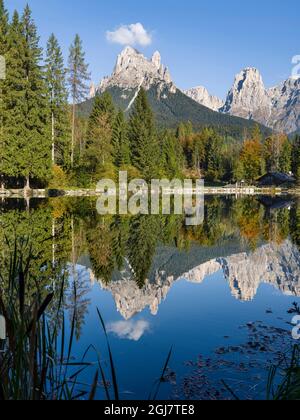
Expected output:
(43, 193)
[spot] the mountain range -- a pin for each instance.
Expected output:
(170, 104)
(277, 108)
(273, 264)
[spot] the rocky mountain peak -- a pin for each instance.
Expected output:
(248, 98)
(133, 70)
(201, 95)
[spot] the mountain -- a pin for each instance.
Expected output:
(200, 94)
(171, 106)
(277, 107)
(286, 106)
(274, 264)
(248, 98)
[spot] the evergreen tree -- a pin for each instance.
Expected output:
(120, 141)
(296, 159)
(13, 103)
(35, 156)
(278, 153)
(99, 147)
(78, 77)
(172, 156)
(285, 159)
(142, 136)
(58, 99)
(213, 157)
(103, 105)
(3, 56)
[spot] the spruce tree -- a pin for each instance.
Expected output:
(103, 105)
(172, 156)
(296, 159)
(13, 104)
(142, 136)
(99, 147)
(285, 160)
(78, 77)
(4, 27)
(120, 142)
(35, 157)
(58, 99)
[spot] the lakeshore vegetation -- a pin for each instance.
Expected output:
(45, 142)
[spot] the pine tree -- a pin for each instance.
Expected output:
(99, 147)
(78, 77)
(296, 159)
(103, 104)
(120, 142)
(13, 104)
(172, 156)
(58, 99)
(35, 157)
(4, 27)
(143, 139)
(213, 157)
(285, 159)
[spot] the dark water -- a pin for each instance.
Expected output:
(218, 293)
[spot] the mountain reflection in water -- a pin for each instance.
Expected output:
(138, 259)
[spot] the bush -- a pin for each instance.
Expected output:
(59, 179)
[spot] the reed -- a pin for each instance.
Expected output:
(36, 358)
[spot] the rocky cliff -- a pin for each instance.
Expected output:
(200, 94)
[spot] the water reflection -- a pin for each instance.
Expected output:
(138, 259)
(130, 330)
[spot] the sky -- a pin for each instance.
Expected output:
(202, 42)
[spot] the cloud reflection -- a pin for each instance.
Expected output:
(129, 330)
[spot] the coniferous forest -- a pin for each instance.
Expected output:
(46, 142)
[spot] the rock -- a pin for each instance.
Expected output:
(133, 71)
(248, 98)
(200, 94)
(277, 107)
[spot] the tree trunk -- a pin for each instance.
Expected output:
(27, 185)
(73, 134)
(53, 139)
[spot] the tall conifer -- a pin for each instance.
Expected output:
(78, 77)
(58, 99)
(143, 140)
(35, 157)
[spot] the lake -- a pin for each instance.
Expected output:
(217, 294)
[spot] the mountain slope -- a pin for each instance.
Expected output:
(170, 105)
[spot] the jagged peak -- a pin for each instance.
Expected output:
(128, 50)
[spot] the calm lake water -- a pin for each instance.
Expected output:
(219, 293)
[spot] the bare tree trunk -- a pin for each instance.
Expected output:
(73, 134)
(53, 139)
(27, 185)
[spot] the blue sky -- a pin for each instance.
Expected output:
(202, 42)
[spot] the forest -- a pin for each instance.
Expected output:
(45, 142)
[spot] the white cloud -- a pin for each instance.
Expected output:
(134, 34)
(129, 330)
